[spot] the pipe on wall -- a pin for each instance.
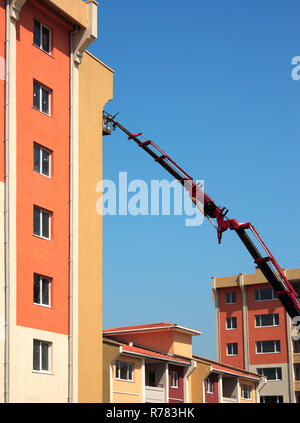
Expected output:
(6, 203)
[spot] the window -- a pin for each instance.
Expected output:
(246, 391)
(265, 347)
(231, 297)
(271, 373)
(41, 356)
(272, 399)
(124, 370)
(41, 222)
(210, 385)
(231, 323)
(41, 36)
(41, 160)
(262, 320)
(41, 290)
(41, 98)
(232, 349)
(174, 379)
(264, 294)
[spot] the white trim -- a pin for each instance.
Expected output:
(156, 358)
(143, 381)
(167, 382)
(108, 332)
(126, 393)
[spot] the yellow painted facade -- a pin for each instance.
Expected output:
(95, 89)
(253, 397)
(128, 391)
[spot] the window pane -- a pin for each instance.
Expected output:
(36, 289)
(46, 221)
(123, 371)
(45, 101)
(45, 162)
(36, 95)
(45, 356)
(267, 320)
(36, 33)
(45, 291)
(46, 39)
(36, 355)
(36, 221)
(266, 294)
(36, 158)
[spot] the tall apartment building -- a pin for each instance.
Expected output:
(254, 332)
(52, 94)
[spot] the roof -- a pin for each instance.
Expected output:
(231, 370)
(130, 349)
(150, 327)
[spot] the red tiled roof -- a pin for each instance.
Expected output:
(230, 370)
(150, 326)
(152, 354)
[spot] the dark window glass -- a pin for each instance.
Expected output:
(36, 289)
(36, 355)
(45, 291)
(36, 220)
(45, 223)
(45, 162)
(46, 39)
(36, 33)
(36, 95)
(45, 356)
(45, 100)
(36, 158)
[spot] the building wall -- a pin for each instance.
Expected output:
(214, 396)
(196, 382)
(253, 391)
(2, 85)
(266, 333)
(129, 391)
(110, 354)
(176, 395)
(95, 89)
(162, 341)
(275, 387)
(182, 344)
(231, 335)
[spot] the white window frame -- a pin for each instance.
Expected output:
(174, 379)
(260, 318)
(41, 222)
(41, 149)
(231, 344)
(246, 391)
(229, 326)
(41, 37)
(49, 280)
(277, 378)
(263, 397)
(49, 348)
(229, 295)
(128, 371)
(268, 352)
(49, 91)
(259, 294)
(209, 385)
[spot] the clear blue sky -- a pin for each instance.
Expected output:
(210, 82)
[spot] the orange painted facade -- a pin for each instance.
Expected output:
(270, 333)
(2, 86)
(34, 254)
(231, 335)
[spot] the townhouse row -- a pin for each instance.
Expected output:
(154, 363)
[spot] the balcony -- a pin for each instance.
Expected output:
(229, 389)
(297, 385)
(155, 393)
(155, 375)
(296, 358)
